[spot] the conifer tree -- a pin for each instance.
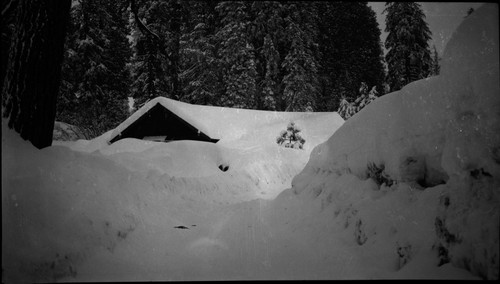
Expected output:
(300, 82)
(147, 69)
(346, 109)
(365, 97)
(435, 68)
(149, 66)
(201, 74)
(291, 137)
(239, 66)
(161, 25)
(270, 83)
(267, 34)
(351, 51)
(408, 56)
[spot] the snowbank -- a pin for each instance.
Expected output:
(88, 210)
(87, 146)
(91, 211)
(434, 149)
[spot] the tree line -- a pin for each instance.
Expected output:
(267, 55)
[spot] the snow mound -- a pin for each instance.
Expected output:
(80, 207)
(247, 156)
(435, 145)
(55, 211)
(118, 212)
(177, 158)
(258, 172)
(87, 146)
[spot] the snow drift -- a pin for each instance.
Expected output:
(69, 210)
(434, 149)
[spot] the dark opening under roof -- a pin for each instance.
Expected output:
(159, 121)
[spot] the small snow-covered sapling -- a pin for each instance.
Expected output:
(291, 138)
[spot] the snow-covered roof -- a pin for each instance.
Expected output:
(226, 123)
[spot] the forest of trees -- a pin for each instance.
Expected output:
(266, 55)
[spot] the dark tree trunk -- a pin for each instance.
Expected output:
(31, 85)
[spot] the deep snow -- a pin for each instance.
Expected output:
(438, 141)
(138, 210)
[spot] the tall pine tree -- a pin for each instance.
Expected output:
(435, 67)
(408, 56)
(149, 66)
(267, 34)
(269, 85)
(237, 52)
(201, 66)
(157, 62)
(300, 66)
(351, 51)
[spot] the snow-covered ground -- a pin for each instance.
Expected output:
(407, 188)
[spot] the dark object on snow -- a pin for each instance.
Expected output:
(223, 168)
(160, 121)
(181, 227)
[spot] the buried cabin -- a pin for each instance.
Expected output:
(161, 120)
